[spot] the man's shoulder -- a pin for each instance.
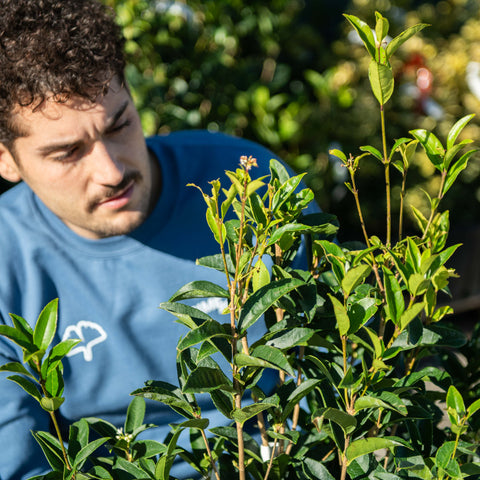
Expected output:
(204, 142)
(201, 153)
(15, 198)
(203, 138)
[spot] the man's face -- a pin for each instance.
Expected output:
(88, 163)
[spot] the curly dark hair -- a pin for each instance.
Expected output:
(58, 48)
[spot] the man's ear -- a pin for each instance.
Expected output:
(8, 166)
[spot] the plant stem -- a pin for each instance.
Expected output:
(59, 435)
(402, 200)
(296, 409)
(270, 463)
(359, 207)
(386, 163)
(439, 197)
(209, 452)
(343, 475)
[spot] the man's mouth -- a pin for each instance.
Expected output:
(120, 199)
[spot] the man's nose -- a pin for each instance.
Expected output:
(106, 167)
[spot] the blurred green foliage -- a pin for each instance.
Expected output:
(286, 73)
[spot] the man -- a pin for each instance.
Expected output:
(103, 219)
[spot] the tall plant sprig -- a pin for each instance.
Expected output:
(381, 79)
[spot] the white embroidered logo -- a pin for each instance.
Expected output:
(90, 334)
(212, 304)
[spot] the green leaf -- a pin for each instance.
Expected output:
(86, 451)
(223, 402)
(22, 325)
(455, 405)
(147, 448)
(135, 414)
(364, 446)
(354, 277)
(347, 422)
(264, 298)
(284, 192)
(301, 391)
(246, 413)
(199, 289)
(400, 145)
(364, 32)
(51, 449)
(50, 404)
(315, 469)
(217, 228)
(274, 357)
(54, 382)
(18, 337)
(278, 171)
(473, 408)
(165, 393)
(27, 385)
(189, 316)
(381, 81)
(260, 275)
(206, 379)
(206, 331)
(381, 27)
(16, 367)
(456, 129)
(432, 145)
(359, 312)
(455, 170)
(339, 154)
(403, 37)
(444, 455)
(343, 321)
(57, 354)
(373, 151)
(46, 326)
(394, 296)
(410, 313)
(290, 338)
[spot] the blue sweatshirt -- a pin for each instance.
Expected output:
(109, 291)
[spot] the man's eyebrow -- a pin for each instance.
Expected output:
(117, 115)
(57, 147)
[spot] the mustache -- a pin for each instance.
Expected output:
(134, 176)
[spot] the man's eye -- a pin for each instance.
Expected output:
(118, 128)
(66, 156)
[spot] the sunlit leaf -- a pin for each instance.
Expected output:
(206, 331)
(432, 145)
(165, 393)
(206, 379)
(250, 411)
(347, 422)
(456, 129)
(46, 326)
(264, 298)
(381, 81)
(403, 37)
(364, 32)
(135, 414)
(199, 289)
(27, 385)
(364, 446)
(343, 322)
(354, 277)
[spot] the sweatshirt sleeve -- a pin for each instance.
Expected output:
(20, 455)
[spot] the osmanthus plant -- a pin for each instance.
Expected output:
(350, 337)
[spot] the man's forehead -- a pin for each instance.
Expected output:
(56, 108)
